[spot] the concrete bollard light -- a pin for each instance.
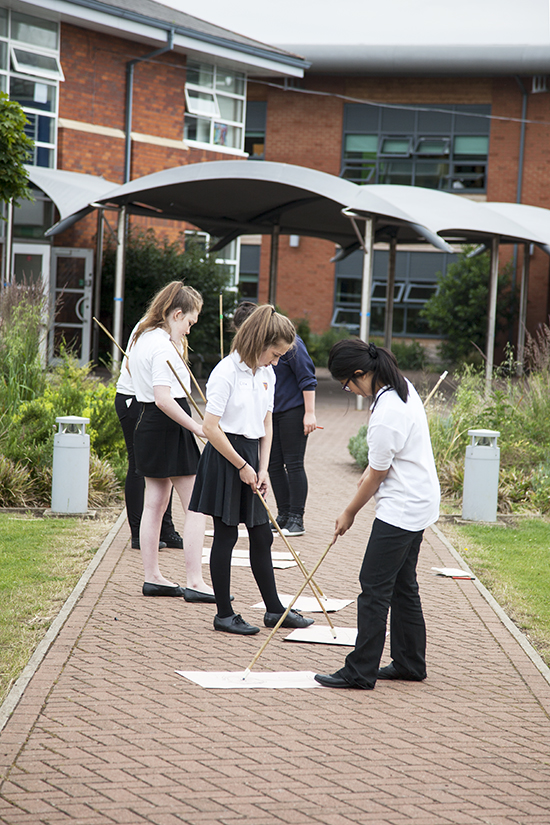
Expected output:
(71, 465)
(481, 469)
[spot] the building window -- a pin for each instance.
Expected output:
(415, 282)
(254, 136)
(439, 150)
(228, 257)
(215, 106)
(30, 72)
(249, 271)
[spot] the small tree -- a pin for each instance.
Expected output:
(152, 262)
(459, 308)
(15, 151)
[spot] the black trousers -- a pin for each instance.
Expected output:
(388, 579)
(134, 485)
(286, 462)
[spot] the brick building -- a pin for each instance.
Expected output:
(470, 120)
(70, 64)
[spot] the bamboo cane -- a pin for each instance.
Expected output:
(221, 324)
(108, 334)
(285, 614)
(182, 385)
(188, 368)
(442, 377)
(315, 589)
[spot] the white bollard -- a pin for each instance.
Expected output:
(481, 469)
(71, 465)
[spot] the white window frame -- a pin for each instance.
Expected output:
(22, 68)
(214, 119)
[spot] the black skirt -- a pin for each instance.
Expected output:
(162, 447)
(219, 491)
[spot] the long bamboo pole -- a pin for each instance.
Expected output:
(285, 614)
(442, 377)
(108, 334)
(193, 379)
(221, 324)
(190, 397)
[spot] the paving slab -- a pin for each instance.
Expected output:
(105, 731)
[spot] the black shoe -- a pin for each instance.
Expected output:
(294, 619)
(150, 589)
(281, 521)
(294, 526)
(391, 672)
(173, 540)
(191, 595)
(334, 681)
(235, 624)
(135, 544)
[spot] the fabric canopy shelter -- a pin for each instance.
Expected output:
(71, 192)
(461, 220)
(232, 198)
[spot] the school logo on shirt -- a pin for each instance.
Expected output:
(265, 385)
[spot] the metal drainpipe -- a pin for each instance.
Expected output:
(519, 187)
(129, 97)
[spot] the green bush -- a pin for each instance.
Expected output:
(319, 345)
(409, 356)
(358, 448)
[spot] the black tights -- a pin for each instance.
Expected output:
(260, 540)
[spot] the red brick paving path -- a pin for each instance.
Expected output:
(107, 733)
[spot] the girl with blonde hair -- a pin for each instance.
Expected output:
(234, 463)
(166, 452)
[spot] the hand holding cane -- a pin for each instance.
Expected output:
(313, 584)
(285, 614)
(190, 397)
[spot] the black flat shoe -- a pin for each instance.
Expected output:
(294, 619)
(172, 540)
(235, 624)
(335, 680)
(150, 589)
(197, 596)
(391, 672)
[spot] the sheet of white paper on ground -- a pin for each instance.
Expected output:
(243, 533)
(309, 604)
(322, 635)
(232, 679)
(452, 572)
(244, 553)
(244, 561)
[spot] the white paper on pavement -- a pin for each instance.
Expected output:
(322, 635)
(255, 679)
(309, 604)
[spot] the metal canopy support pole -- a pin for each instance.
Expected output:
(491, 324)
(522, 322)
(273, 264)
(388, 320)
(97, 284)
(118, 309)
(8, 244)
(366, 288)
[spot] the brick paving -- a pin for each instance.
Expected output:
(106, 732)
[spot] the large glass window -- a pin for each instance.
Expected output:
(255, 128)
(215, 106)
(30, 72)
(415, 283)
(228, 257)
(439, 150)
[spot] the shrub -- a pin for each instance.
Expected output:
(409, 356)
(319, 345)
(358, 448)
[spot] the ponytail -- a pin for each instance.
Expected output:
(352, 355)
(262, 329)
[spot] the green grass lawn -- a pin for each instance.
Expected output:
(513, 562)
(41, 560)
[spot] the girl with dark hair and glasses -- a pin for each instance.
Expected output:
(402, 479)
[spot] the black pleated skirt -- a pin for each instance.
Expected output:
(219, 491)
(162, 447)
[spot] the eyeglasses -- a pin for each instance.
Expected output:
(345, 386)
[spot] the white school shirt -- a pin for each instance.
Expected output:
(240, 397)
(125, 385)
(147, 359)
(399, 439)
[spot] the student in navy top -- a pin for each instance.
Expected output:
(293, 420)
(402, 479)
(234, 463)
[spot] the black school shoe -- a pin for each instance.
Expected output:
(294, 526)
(391, 672)
(281, 521)
(235, 624)
(135, 544)
(294, 619)
(172, 540)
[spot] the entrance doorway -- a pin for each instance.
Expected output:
(71, 293)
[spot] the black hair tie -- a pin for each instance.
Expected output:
(373, 352)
